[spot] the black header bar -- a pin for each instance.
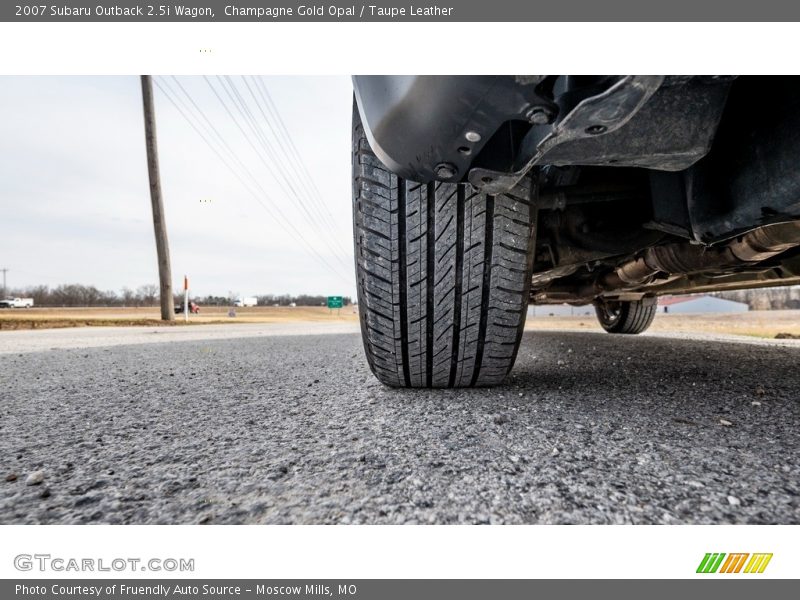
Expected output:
(394, 10)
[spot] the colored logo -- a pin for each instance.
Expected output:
(741, 562)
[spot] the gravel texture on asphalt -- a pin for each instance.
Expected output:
(589, 428)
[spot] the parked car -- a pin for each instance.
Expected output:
(193, 308)
(475, 196)
(16, 303)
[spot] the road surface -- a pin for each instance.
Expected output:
(237, 425)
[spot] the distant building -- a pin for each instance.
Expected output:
(698, 305)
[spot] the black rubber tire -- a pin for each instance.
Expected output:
(630, 317)
(443, 276)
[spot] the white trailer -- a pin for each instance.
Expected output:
(248, 301)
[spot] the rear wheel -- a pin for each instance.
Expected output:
(626, 316)
(443, 275)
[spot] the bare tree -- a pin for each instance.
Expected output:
(127, 296)
(147, 294)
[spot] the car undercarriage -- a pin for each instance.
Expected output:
(636, 186)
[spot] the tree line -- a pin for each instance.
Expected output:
(75, 295)
(79, 295)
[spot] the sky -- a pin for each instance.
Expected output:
(244, 216)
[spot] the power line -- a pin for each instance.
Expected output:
(291, 164)
(287, 225)
(272, 159)
(270, 104)
(212, 128)
(282, 220)
(293, 158)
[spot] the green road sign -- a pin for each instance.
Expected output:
(335, 302)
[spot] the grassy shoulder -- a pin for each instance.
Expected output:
(52, 318)
(763, 324)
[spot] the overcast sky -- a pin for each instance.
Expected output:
(74, 196)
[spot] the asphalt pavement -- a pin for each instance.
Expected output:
(260, 428)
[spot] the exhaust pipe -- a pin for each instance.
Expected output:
(684, 259)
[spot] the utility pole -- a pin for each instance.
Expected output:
(159, 222)
(4, 281)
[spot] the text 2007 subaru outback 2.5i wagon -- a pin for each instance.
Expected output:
(475, 196)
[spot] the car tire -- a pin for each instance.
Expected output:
(443, 275)
(630, 317)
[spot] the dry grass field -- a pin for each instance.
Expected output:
(759, 323)
(46, 318)
(765, 324)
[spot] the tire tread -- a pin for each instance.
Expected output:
(443, 276)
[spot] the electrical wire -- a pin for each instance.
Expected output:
(276, 214)
(274, 163)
